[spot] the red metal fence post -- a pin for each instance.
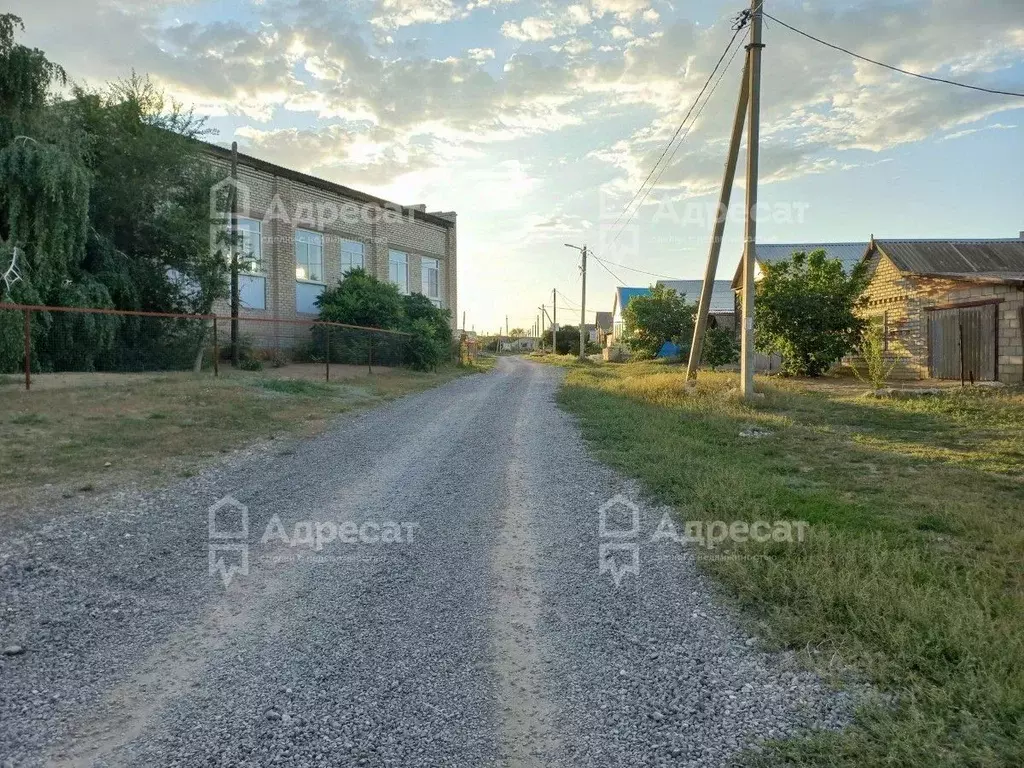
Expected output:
(216, 350)
(328, 372)
(28, 351)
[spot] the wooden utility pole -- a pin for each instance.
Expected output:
(697, 348)
(506, 325)
(234, 254)
(554, 320)
(463, 321)
(583, 307)
(750, 237)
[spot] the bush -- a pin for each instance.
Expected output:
(720, 348)
(652, 320)
(872, 350)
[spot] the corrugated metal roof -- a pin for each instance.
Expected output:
(849, 254)
(722, 299)
(989, 258)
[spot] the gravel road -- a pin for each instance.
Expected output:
(453, 615)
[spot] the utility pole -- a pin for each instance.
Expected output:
(583, 309)
(536, 327)
(234, 254)
(554, 319)
(463, 321)
(697, 348)
(583, 302)
(750, 237)
(506, 325)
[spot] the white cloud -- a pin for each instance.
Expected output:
(391, 14)
(620, 32)
(532, 29)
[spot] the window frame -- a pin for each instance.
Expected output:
(321, 280)
(403, 288)
(258, 233)
(342, 253)
(435, 266)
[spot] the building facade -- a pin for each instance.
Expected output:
(299, 235)
(949, 308)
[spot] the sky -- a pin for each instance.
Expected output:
(538, 121)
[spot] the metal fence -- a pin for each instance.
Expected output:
(37, 339)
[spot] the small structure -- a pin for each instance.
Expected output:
(949, 309)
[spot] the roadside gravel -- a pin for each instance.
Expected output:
(486, 637)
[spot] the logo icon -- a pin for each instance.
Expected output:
(228, 539)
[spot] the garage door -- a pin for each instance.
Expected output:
(962, 343)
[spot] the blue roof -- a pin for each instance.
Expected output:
(625, 295)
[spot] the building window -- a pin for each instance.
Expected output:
(351, 256)
(398, 270)
(432, 280)
(309, 256)
(250, 250)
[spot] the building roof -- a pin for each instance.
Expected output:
(624, 295)
(849, 254)
(984, 260)
(444, 219)
(604, 320)
(722, 300)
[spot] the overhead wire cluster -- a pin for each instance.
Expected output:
(741, 23)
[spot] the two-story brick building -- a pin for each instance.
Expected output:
(300, 234)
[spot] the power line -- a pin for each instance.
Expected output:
(571, 302)
(634, 269)
(679, 128)
(890, 66)
(604, 266)
(687, 133)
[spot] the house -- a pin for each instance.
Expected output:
(623, 296)
(603, 321)
(723, 302)
(949, 309)
(300, 234)
(848, 254)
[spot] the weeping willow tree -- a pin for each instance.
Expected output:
(105, 195)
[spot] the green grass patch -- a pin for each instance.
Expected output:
(912, 575)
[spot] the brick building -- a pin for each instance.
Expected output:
(949, 307)
(300, 234)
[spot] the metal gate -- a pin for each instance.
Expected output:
(962, 343)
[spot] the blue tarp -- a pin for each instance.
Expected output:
(668, 349)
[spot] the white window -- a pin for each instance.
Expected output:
(250, 251)
(309, 256)
(351, 256)
(398, 270)
(432, 280)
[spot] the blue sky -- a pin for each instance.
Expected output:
(538, 121)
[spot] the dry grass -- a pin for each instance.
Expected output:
(86, 433)
(912, 575)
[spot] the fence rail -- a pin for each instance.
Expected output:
(50, 339)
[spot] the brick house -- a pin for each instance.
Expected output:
(949, 307)
(300, 234)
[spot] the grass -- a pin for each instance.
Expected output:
(912, 576)
(91, 433)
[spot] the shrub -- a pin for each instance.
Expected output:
(720, 348)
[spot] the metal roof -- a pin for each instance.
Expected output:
(624, 295)
(722, 299)
(991, 259)
(849, 254)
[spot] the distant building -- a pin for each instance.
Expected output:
(723, 301)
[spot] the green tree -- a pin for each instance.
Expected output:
(362, 299)
(103, 196)
(805, 312)
(430, 342)
(720, 348)
(663, 315)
